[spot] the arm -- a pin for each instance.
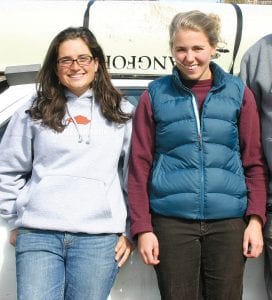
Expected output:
(141, 159)
(256, 70)
(123, 164)
(255, 174)
(125, 245)
(249, 64)
(15, 164)
(140, 165)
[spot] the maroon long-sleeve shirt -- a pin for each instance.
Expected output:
(142, 151)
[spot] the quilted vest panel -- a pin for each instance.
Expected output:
(197, 174)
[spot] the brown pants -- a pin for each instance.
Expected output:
(196, 254)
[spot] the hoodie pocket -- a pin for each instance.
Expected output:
(68, 198)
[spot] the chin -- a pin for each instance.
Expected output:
(192, 77)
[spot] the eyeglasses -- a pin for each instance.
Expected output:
(83, 60)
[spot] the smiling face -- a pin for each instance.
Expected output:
(76, 78)
(192, 52)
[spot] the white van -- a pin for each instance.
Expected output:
(134, 35)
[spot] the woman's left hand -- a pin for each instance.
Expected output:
(123, 250)
(253, 238)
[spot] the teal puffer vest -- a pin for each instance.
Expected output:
(197, 170)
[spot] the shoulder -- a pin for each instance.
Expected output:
(236, 85)
(264, 41)
(27, 102)
(236, 80)
(262, 45)
(158, 82)
(160, 86)
(223, 77)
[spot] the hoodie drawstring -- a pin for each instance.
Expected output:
(89, 131)
(80, 137)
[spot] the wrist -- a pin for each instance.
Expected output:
(254, 219)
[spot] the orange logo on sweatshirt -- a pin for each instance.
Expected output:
(79, 120)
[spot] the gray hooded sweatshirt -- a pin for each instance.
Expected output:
(67, 181)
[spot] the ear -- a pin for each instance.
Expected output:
(213, 52)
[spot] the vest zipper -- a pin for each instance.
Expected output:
(197, 117)
(196, 112)
(200, 141)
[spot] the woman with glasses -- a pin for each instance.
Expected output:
(197, 179)
(63, 170)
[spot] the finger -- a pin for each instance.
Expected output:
(124, 258)
(151, 259)
(144, 258)
(246, 247)
(120, 252)
(156, 252)
(256, 250)
(12, 240)
(119, 245)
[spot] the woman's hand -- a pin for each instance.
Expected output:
(253, 238)
(123, 250)
(12, 237)
(148, 247)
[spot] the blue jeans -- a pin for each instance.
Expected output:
(53, 265)
(199, 254)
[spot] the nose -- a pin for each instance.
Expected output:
(189, 56)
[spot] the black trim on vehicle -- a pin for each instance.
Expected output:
(3, 83)
(134, 76)
(239, 31)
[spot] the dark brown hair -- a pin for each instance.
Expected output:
(50, 104)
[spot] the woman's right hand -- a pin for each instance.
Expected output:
(12, 237)
(148, 247)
